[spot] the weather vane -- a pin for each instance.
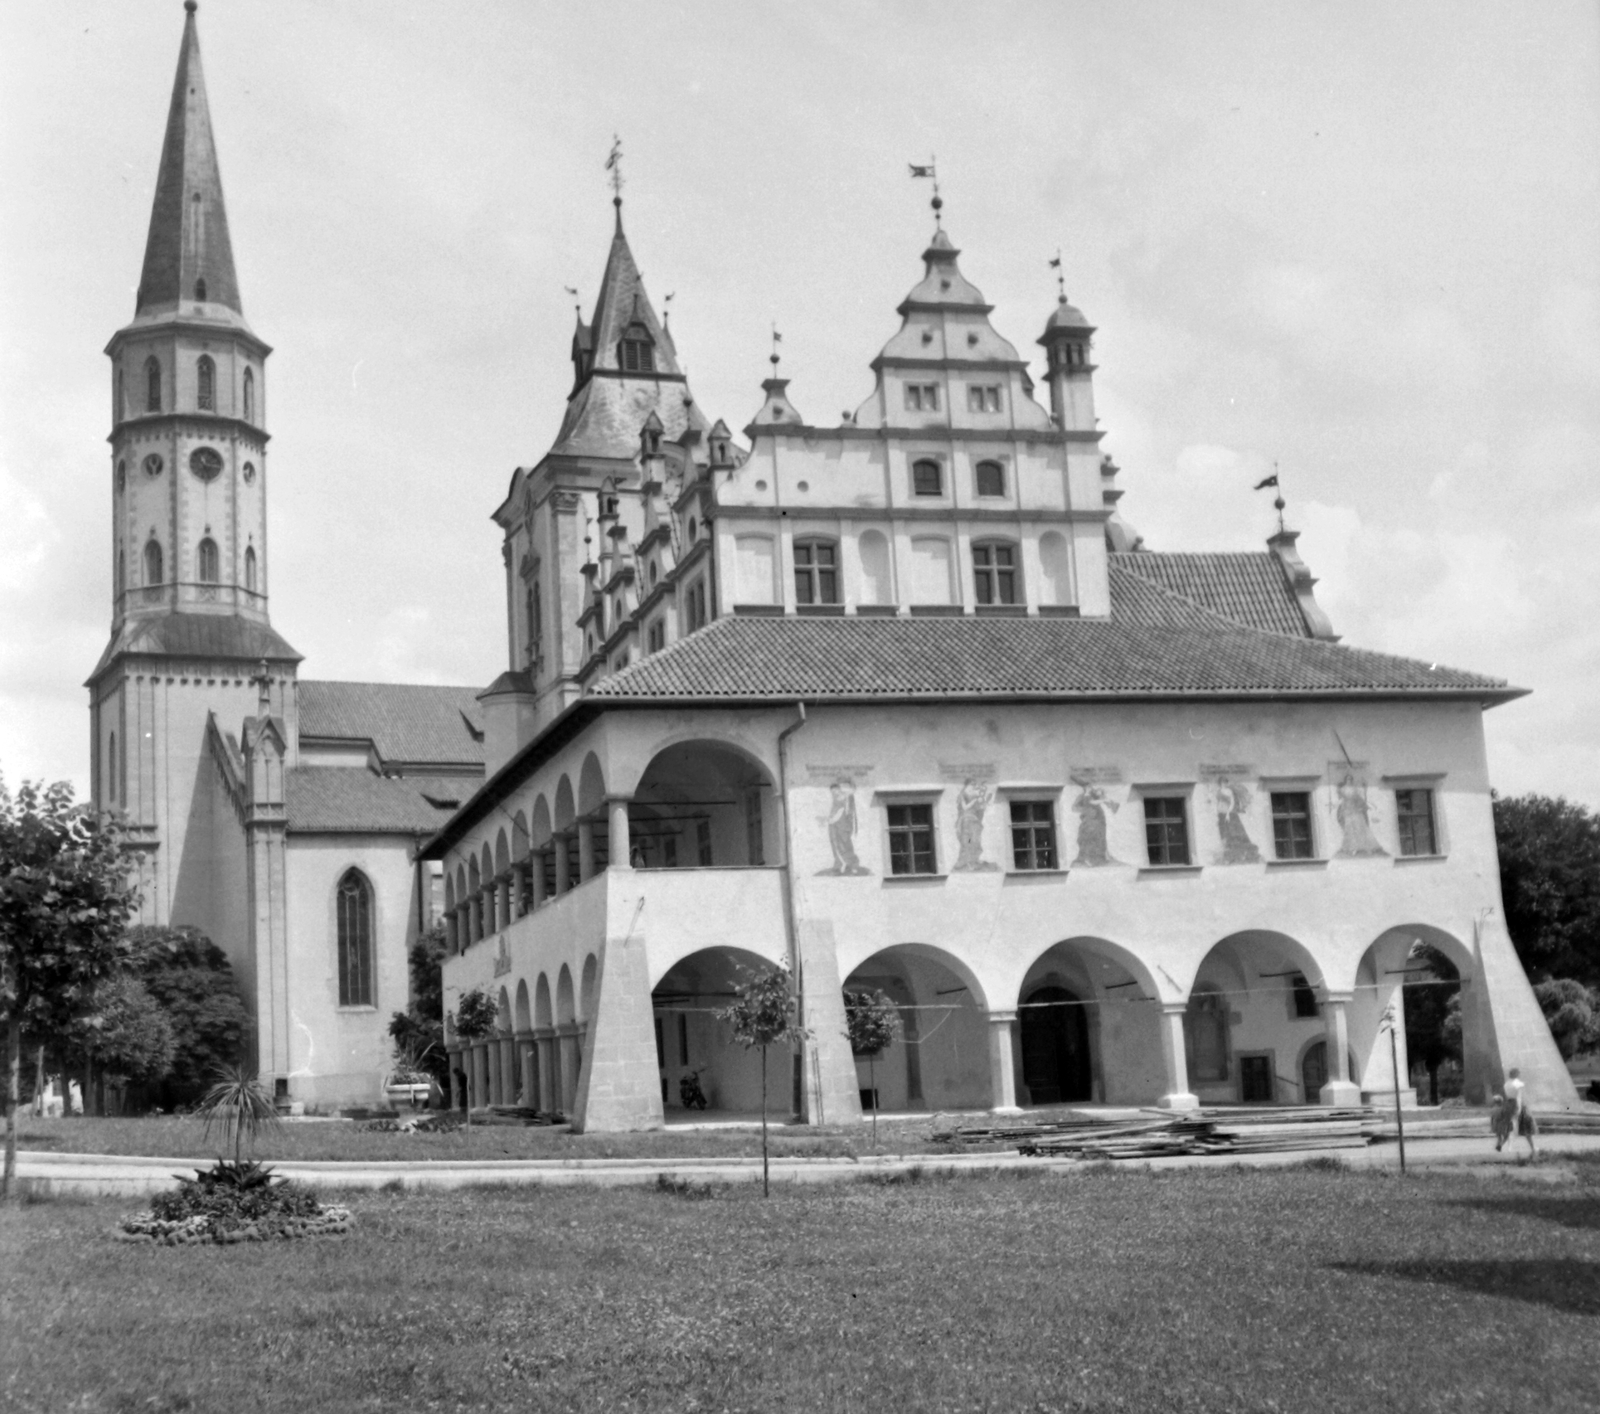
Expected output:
(1061, 279)
(777, 339)
(1277, 500)
(614, 166)
(577, 304)
(930, 171)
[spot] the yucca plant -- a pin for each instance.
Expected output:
(240, 1106)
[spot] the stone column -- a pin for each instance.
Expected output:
(527, 1066)
(1002, 1072)
(621, 840)
(544, 1041)
(585, 850)
(1175, 1060)
(491, 1067)
(480, 1074)
(562, 882)
(1340, 1089)
(450, 933)
(567, 1044)
(508, 1071)
(537, 863)
(453, 1065)
(521, 888)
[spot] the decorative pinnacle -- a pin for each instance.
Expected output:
(614, 166)
(190, 5)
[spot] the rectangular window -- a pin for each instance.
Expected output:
(1166, 829)
(927, 478)
(1291, 824)
(911, 840)
(983, 398)
(1255, 1080)
(1414, 809)
(991, 479)
(922, 397)
(994, 569)
(656, 637)
(1033, 834)
(816, 574)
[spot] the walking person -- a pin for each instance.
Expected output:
(1514, 1119)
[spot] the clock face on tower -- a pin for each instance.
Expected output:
(153, 465)
(205, 462)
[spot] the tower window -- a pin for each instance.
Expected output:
(200, 289)
(152, 562)
(152, 385)
(250, 568)
(927, 478)
(121, 410)
(355, 940)
(122, 476)
(636, 353)
(111, 770)
(122, 573)
(991, 479)
(206, 390)
(816, 573)
(207, 560)
(994, 573)
(249, 395)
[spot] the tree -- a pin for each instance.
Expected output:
(192, 979)
(1573, 1014)
(474, 1019)
(872, 1022)
(127, 1036)
(1550, 880)
(418, 1031)
(1435, 986)
(66, 891)
(764, 1013)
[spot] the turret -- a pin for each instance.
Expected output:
(1067, 341)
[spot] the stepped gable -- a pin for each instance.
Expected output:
(1249, 588)
(339, 800)
(938, 659)
(207, 636)
(405, 722)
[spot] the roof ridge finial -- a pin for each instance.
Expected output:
(1061, 279)
(1278, 503)
(930, 171)
(614, 166)
(191, 6)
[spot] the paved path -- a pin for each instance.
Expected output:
(133, 1177)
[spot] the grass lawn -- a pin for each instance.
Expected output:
(1098, 1290)
(179, 1137)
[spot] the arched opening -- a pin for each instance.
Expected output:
(702, 805)
(1088, 1027)
(452, 924)
(877, 584)
(1313, 1067)
(206, 561)
(1256, 1003)
(354, 907)
(122, 572)
(1055, 562)
(942, 1060)
(250, 568)
(249, 396)
(474, 902)
(696, 1055)
(111, 770)
(1428, 977)
(152, 563)
(586, 993)
(206, 384)
(152, 385)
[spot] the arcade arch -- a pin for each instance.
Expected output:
(691, 1041)
(702, 804)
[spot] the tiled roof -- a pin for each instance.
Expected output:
(403, 721)
(346, 800)
(1250, 588)
(204, 636)
(777, 658)
(1138, 601)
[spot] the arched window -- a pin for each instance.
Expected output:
(927, 478)
(152, 385)
(152, 562)
(121, 410)
(636, 353)
(200, 289)
(250, 568)
(249, 395)
(207, 559)
(206, 387)
(111, 770)
(816, 572)
(355, 940)
(991, 479)
(122, 572)
(1205, 1025)
(994, 573)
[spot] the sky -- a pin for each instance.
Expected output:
(1357, 241)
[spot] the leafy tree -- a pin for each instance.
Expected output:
(763, 1014)
(127, 1036)
(474, 1019)
(872, 1022)
(1550, 879)
(66, 891)
(1428, 1007)
(418, 1031)
(1573, 1013)
(192, 979)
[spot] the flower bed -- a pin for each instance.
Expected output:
(233, 1202)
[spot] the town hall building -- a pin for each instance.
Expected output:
(900, 703)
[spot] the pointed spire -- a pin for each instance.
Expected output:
(621, 304)
(188, 257)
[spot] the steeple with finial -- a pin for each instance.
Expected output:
(1067, 341)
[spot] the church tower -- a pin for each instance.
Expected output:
(190, 635)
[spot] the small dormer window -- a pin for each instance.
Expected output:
(637, 353)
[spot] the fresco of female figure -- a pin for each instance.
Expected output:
(1354, 819)
(842, 828)
(971, 803)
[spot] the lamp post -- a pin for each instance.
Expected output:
(1394, 1060)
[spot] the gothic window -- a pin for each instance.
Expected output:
(122, 573)
(816, 573)
(250, 568)
(927, 478)
(991, 479)
(994, 573)
(206, 390)
(152, 385)
(152, 562)
(207, 560)
(355, 940)
(249, 396)
(111, 771)
(636, 353)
